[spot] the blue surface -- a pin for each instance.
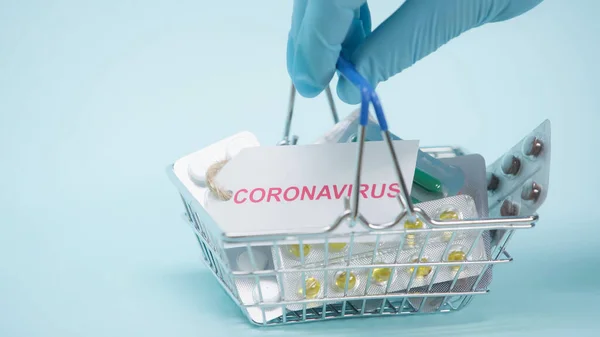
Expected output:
(96, 99)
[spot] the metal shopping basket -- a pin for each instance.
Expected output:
(403, 270)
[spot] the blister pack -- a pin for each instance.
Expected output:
(194, 171)
(435, 247)
(518, 181)
(474, 169)
(433, 179)
(252, 291)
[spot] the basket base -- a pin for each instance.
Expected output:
(399, 306)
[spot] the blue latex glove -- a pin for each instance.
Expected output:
(322, 29)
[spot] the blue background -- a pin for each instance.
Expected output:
(97, 98)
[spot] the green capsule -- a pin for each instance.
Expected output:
(428, 182)
(420, 194)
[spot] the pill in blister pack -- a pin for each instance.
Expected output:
(253, 291)
(261, 258)
(250, 293)
(295, 255)
(473, 165)
(518, 181)
(433, 179)
(314, 254)
(435, 247)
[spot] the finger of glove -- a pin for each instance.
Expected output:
(417, 29)
(319, 28)
(359, 30)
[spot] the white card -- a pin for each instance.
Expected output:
(301, 188)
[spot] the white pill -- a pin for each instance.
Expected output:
(269, 291)
(236, 145)
(197, 176)
(210, 199)
(245, 264)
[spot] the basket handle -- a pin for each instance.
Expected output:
(369, 95)
(288, 121)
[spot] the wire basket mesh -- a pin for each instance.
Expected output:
(396, 272)
(419, 263)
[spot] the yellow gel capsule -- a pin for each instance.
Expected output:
(445, 216)
(410, 240)
(336, 247)
(295, 250)
(413, 224)
(457, 255)
(381, 275)
(340, 280)
(421, 271)
(446, 236)
(448, 215)
(312, 288)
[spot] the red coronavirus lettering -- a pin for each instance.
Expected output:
(337, 193)
(311, 193)
(363, 190)
(274, 192)
(287, 196)
(395, 188)
(374, 192)
(325, 193)
(261, 193)
(315, 193)
(236, 197)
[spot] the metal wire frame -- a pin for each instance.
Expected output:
(337, 307)
(411, 301)
(288, 122)
(351, 207)
(332, 307)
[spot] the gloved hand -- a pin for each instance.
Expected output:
(322, 29)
